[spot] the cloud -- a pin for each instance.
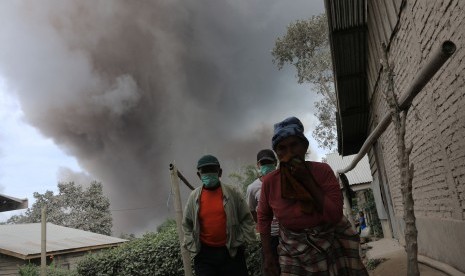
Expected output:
(129, 86)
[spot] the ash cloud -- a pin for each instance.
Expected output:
(129, 86)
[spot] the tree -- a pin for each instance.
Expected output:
(399, 119)
(306, 47)
(245, 176)
(75, 207)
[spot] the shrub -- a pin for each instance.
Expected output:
(253, 258)
(153, 254)
(34, 270)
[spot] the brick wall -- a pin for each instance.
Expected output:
(436, 123)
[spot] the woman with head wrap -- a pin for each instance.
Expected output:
(305, 197)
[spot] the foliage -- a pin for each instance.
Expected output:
(373, 263)
(75, 207)
(128, 237)
(34, 270)
(306, 47)
(167, 225)
(369, 207)
(153, 254)
(253, 258)
(245, 176)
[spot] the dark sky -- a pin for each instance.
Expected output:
(129, 86)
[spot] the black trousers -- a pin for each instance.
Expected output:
(216, 261)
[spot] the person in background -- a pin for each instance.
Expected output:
(266, 163)
(217, 224)
(361, 223)
(305, 197)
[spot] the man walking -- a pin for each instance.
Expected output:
(217, 224)
(266, 163)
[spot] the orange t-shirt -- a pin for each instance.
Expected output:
(212, 218)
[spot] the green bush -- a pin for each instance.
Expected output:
(34, 270)
(253, 258)
(153, 254)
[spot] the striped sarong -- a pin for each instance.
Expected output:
(322, 250)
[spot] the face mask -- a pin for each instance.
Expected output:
(210, 180)
(267, 168)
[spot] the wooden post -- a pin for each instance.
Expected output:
(186, 258)
(348, 211)
(43, 243)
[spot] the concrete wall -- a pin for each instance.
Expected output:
(435, 124)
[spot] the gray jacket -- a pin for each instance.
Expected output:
(239, 221)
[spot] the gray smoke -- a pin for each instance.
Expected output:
(129, 86)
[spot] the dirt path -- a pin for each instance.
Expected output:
(396, 259)
(396, 265)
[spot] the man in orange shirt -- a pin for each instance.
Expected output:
(217, 224)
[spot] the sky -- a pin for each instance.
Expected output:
(116, 91)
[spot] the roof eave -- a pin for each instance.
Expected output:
(348, 42)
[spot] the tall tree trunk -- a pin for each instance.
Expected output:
(406, 169)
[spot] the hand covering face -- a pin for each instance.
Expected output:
(298, 183)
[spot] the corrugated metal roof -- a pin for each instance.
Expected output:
(9, 203)
(359, 175)
(347, 20)
(23, 240)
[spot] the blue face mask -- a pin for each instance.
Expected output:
(267, 168)
(210, 180)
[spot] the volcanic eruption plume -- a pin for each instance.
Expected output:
(129, 86)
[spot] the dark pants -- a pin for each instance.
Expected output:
(274, 250)
(212, 261)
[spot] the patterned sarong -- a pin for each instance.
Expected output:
(322, 250)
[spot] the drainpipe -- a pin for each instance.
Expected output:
(437, 59)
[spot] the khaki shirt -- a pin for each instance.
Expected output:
(239, 221)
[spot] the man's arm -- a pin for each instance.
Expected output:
(245, 217)
(251, 199)
(265, 216)
(333, 201)
(254, 215)
(187, 223)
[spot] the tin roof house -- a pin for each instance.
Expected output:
(9, 203)
(21, 244)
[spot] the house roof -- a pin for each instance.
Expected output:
(347, 21)
(23, 240)
(359, 175)
(9, 203)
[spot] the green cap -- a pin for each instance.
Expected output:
(207, 160)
